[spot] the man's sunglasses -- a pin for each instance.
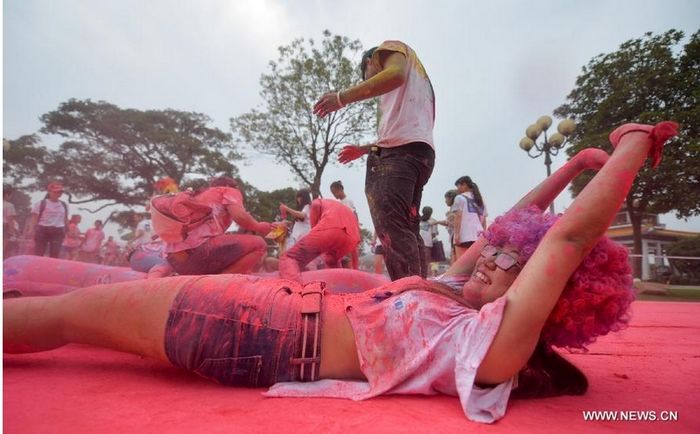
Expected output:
(503, 260)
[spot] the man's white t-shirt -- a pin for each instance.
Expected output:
(54, 214)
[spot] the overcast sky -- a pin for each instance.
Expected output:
(496, 66)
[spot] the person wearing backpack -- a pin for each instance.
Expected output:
(200, 245)
(49, 220)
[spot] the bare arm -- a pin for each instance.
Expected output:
(534, 293)
(392, 76)
(294, 213)
(246, 221)
(29, 229)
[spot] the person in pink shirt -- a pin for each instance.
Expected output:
(90, 250)
(334, 234)
(534, 278)
(73, 238)
(207, 248)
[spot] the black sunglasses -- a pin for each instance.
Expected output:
(503, 260)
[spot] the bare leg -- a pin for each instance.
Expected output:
(128, 316)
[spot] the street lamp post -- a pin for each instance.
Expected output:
(551, 145)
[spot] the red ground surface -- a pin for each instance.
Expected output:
(652, 365)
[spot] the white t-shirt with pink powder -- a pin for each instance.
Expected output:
(407, 113)
(442, 345)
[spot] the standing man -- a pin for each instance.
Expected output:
(401, 162)
(338, 192)
(49, 221)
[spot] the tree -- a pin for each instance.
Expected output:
(115, 155)
(286, 128)
(646, 81)
(265, 206)
(23, 158)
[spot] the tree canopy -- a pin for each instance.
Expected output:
(286, 127)
(115, 155)
(646, 80)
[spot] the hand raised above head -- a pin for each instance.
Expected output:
(591, 158)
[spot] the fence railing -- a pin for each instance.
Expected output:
(682, 270)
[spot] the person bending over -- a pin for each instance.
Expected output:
(206, 247)
(334, 233)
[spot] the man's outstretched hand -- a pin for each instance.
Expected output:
(351, 152)
(328, 103)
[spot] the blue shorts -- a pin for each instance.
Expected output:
(141, 259)
(243, 330)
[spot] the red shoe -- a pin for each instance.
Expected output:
(658, 133)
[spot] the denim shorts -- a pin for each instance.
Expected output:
(242, 330)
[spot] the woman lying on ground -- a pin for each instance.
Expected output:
(399, 338)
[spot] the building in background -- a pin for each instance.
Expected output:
(655, 238)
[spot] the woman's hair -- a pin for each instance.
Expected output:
(166, 185)
(473, 187)
(426, 214)
(597, 296)
(365, 59)
(450, 196)
(223, 181)
(304, 196)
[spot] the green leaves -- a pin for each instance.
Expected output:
(116, 155)
(647, 80)
(286, 128)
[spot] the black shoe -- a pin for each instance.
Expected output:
(548, 374)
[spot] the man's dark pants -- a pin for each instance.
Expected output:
(394, 187)
(53, 236)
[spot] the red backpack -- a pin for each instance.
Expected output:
(174, 215)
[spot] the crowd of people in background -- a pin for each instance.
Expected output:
(49, 231)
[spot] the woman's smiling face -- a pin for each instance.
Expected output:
(489, 279)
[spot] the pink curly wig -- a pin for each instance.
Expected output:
(597, 296)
